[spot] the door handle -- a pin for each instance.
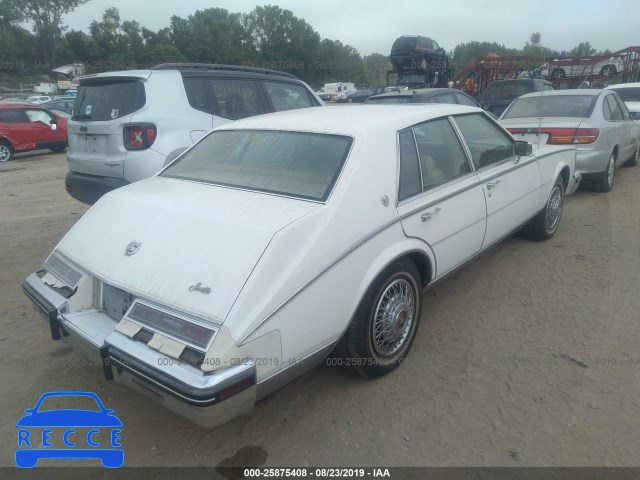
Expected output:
(427, 215)
(491, 185)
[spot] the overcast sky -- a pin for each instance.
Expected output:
(370, 26)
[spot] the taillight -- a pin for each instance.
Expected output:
(563, 136)
(139, 137)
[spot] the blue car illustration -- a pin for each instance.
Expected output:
(65, 421)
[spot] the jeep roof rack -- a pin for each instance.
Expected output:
(216, 66)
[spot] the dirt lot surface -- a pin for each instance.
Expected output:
(528, 356)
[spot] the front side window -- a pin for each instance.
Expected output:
(285, 96)
(303, 165)
(39, 116)
(487, 142)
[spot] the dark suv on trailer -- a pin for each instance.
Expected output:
(127, 125)
(413, 52)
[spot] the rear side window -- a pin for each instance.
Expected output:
(410, 177)
(225, 97)
(464, 100)
(39, 116)
(612, 110)
(441, 155)
(12, 116)
(285, 96)
(108, 100)
(446, 98)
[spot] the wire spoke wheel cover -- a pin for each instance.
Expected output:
(554, 208)
(394, 315)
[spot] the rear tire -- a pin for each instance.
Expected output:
(58, 149)
(633, 161)
(608, 71)
(6, 152)
(605, 182)
(545, 224)
(384, 326)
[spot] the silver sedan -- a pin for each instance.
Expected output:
(596, 122)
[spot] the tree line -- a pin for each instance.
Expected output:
(266, 37)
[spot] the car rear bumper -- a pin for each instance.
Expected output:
(89, 188)
(574, 183)
(591, 163)
(207, 399)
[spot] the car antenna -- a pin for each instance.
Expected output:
(544, 59)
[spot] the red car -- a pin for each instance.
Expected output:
(25, 126)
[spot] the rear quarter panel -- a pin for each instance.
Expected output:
(554, 163)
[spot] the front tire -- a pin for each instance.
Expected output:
(6, 152)
(605, 182)
(384, 326)
(545, 224)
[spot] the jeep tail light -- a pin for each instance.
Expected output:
(139, 137)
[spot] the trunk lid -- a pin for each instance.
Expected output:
(198, 244)
(532, 130)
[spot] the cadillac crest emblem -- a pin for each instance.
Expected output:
(132, 248)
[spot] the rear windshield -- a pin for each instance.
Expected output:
(404, 42)
(108, 100)
(390, 100)
(631, 94)
(552, 106)
(304, 165)
(507, 91)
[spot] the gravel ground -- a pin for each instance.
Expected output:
(529, 356)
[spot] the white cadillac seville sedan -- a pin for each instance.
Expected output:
(278, 239)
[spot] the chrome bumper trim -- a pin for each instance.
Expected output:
(208, 399)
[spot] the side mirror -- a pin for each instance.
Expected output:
(522, 148)
(54, 124)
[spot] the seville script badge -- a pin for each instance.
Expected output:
(132, 248)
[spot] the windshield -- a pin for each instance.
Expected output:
(304, 165)
(108, 100)
(552, 106)
(628, 94)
